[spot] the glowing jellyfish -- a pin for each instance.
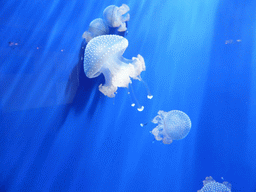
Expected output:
(117, 16)
(103, 54)
(97, 27)
(172, 125)
(210, 185)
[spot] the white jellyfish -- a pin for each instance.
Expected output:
(97, 27)
(103, 54)
(172, 125)
(117, 16)
(210, 185)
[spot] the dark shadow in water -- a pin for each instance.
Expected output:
(50, 120)
(221, 139)
(78, 92)
(58, 119)
(79, 87)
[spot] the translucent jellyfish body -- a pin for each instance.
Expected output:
(117, 16)
(113, 17)
(172, 125)
(103, 54)
(97, 27)
(211, 185)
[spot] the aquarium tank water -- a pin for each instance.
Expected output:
(128, 96)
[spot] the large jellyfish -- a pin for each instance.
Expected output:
(103, 54)
(211, 185)
(117, 16)
(172, 125)
(97, 27)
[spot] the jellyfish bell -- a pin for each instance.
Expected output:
(117, 16)
(103, 54)
(97, 27)
(211, 185)
(172, 125)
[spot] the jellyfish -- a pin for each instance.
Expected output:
(172, 125)
(103, 54)
(115, 22)
(97, 27)
(211, 185)
(117, 16)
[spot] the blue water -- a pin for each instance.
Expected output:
(59, 133)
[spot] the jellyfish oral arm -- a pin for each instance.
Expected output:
(117, 16)
(108, 88)
(161, 135)
(123, 9)
(119, 73)
(124, 16)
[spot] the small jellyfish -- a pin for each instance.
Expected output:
(114, 22)
(117, 16)
(97, 27)
(210, 185)
(172, 125)
(103, 54)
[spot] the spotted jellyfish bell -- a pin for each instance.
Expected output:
(211, 185)
(103, 54)
(172, 125)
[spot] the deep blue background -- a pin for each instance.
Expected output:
(59, 133)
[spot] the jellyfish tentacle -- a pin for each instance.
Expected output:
(140, 107)
(149, 96)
